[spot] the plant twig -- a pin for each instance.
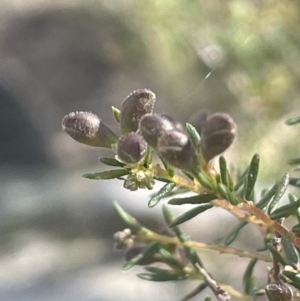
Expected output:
(150, 236)
(218, 290)
(256, 216)
(252, 214)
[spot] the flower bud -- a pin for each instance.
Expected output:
(278, 291)
(217, 134)
(176, 147)
(176, 124)
(123, 239)
(137, 104)
(88, 129)
(131, 148)
(153, 126)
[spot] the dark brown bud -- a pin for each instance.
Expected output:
(217, 134)
(278, 291)
(137, 104)
(131, 148)
(176, 147)
(153, 126)
(88, 129)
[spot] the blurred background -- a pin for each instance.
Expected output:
(238, 56)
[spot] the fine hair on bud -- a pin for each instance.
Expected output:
(153, 126)
(176, 147)
(135, 105)
(88, 129)
(217, 134)
(176, 124)
(131, 148)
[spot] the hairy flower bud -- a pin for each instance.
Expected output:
(153, 126)
(137, 104)
(217, 134)
(88, 129)
(278, 291)
(176, 124)
(176, 147)
(131, 148)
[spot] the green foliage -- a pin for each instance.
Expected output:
(187, 165)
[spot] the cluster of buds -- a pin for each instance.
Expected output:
(143, 131)
(124, 239)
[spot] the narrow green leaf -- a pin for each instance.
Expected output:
(150, 249)
(234, 233)
(295, 182)
(168, 259)
(289, 249)
(128, 219)
(268, 239)
(190, 214)
(293, 161)
(168, 216)
(296, 285)
(225, 176)
(194, 136)
(111, 162)
(277, 255)
(116, 113)
(205, 181)
(249, 271)
(148, 156)
(281, 188)
(162, 193)
(242, 180)
(226, 194)
(291, 275)
(193, 257)
(293, 120)
(293, 199)
(162, 276)
(223, 191)
(285, 211)
(252, 177)
(196, 199)
(107, 175)
(169, 168)
(250, 283)
(240, 191)
(264, 201)
(296, 228)
(297, 249)
(218, 178)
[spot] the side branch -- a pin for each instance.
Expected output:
(151, 236)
